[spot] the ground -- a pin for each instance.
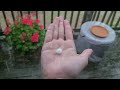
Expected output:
(108, 68)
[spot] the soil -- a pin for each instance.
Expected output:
(99, 31)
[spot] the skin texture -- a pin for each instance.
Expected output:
(67, 65)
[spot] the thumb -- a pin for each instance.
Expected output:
(86, 53)
(82, 60)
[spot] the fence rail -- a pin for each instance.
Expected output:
(76, 18)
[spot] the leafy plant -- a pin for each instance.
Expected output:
(25, 34)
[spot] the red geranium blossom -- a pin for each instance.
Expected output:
(15, 22)
(34, 37)
(21, 37)
(27, 16)
(41, 26)
(26, 21)
(37, 21)
(8, 21)
(24, 34)
(7, 30)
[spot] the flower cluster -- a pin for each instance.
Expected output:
(34, 37)
(25, 33)
(7, 30)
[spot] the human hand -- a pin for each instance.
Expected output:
(68, 64)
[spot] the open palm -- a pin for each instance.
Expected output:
(68, 64)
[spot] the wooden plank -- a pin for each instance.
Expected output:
(104, 16)
(113, 18)
(4, 15)
(77, 18)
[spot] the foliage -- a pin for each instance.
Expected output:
(25, 34)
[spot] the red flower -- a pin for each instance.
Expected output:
(15, 22)
(6, 33)
(8, 21)
(7, 30)
(41, 26)
(21, 37)
(24, 34)
(37, 21)
(23, 20)
(29, 16)
(34, 37)
(30, 22)
(26, 21)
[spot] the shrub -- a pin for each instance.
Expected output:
(25, 34)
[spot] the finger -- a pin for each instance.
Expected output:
(86, 53)
(49, 34)
(68, 30)
(56, 23)
(61, 27)
(83, 58)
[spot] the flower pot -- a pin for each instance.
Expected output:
(97, 36)
(27, 58)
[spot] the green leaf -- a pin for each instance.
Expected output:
(19, 46)
(38, 44)
(30, 47)
(13, 32)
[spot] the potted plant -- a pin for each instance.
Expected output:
(25, 36)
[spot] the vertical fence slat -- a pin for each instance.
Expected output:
(58, 13)
(36, 14)
(44, 18)
(84, 16)
(51, 16)
(113, 18)
(87, 16)
(98, 14)
(118, 21)
(65, 14)
(21, 13)
(77, 19)
(95, 12)
(13, 16)
(104, 16)
(109, 17)
(4, 15)
(71, 17)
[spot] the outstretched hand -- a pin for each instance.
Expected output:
(68, 64)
